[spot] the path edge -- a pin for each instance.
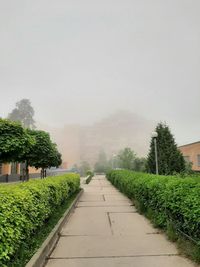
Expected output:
(40, 257)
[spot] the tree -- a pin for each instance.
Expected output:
(139, 164)
(170, 159)
(24, 113)
(44, 154)
(126, 158)
(84, 168)
(102, 165)
(15, 142)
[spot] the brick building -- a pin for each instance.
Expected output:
(191, 153)
(15, 171)
(15, 168)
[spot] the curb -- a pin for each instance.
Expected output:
(40, 257)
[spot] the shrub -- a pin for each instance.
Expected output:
(89, 177)
(165, 199)
(26, 206)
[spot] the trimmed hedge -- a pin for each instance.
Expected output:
(165, 199)
(89, 177)
(26, 206)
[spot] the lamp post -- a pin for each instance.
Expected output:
(154, 136)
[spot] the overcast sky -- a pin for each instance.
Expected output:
(80, 60)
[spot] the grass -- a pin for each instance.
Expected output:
(30, 247)
(187, 247)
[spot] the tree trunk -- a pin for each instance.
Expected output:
(27, 171)
(42, 173)
(23, 174)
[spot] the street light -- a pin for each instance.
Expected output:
(155, 136)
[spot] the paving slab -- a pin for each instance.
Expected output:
(109, 190)
(121, 209)
(106, 230)
(127, 224)
(162, 261)
(99, 191)
(103, 204)
(88, 222)
(101, 246)
(91, 197)
(116, 197)
(95, 183)
(105, 183)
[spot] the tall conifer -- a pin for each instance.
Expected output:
(170, 159)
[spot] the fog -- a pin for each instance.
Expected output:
(82, 61)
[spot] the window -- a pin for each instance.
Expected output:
(198, 160)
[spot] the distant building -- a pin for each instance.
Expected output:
(64, 165)
(191, 153)
(15, 169)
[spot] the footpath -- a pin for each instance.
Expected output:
(105, 230)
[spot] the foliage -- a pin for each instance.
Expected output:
(170, 159)
(29, 247)
(127, 157)
(163, 198)
(90, 174)
(26, 206)
(15, 142)
(44, 154)
(84, 168)
(35, 148)
(188, 168)
(139, 165)
(24, 113)
(102, 165)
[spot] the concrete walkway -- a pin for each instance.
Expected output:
(105, 230)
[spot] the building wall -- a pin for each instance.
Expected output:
(191, 152)
(6, 169)
(34, 170)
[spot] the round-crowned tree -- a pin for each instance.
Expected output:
(170, 159)
(44, 154)
(15, 142)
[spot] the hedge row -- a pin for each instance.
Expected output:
(89, 177)
(166, 199)
(26, 206)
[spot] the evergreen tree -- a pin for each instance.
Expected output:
(24, 113)
(170, 159)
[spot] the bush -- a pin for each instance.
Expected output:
(26, 206)
(89, 177)
(165, 199)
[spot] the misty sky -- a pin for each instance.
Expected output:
(80, 60)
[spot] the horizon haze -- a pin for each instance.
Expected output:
(80, 62)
